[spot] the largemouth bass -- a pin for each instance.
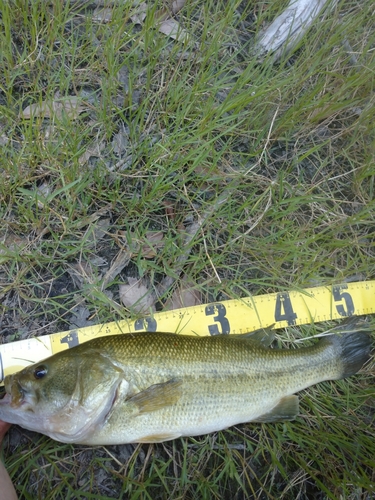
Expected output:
(153, 387)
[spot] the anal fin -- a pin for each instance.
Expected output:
(286, 409)
(158, 438)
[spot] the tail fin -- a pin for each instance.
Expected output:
(353, 349)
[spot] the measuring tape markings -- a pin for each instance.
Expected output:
(283, 309)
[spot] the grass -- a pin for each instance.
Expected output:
(292, 146)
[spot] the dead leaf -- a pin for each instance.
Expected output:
(139, 14)
(10, 244)
(42, 192)
(90, 219)
(165, 13)
(120, 140)
(177, 5)
(80, 318)
(185, 295)
(96, 232)
(122, 260)
(164, 23)
(154, 241)
(172, 28)
(169, 209)
(102, 15)
(148, 246)
(71, 107)
(93, 150)
(13, 242)
(85, 272)
(4, 140)
(81, 273)
(137, 296)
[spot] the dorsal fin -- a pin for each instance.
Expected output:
(262, 336)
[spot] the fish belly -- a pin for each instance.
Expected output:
(204, 407)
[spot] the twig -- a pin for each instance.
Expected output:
(253, 226)
(190, 234)
(267, 141)
(91, 3)
(204, 242)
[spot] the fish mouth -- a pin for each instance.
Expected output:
(5, 399)
(14, 395)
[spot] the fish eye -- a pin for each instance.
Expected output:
(40, 371)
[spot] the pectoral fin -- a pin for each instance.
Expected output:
(286, 409)
(157, 396)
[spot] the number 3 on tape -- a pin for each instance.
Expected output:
(220, 311)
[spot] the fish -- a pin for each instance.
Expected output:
(149, 387)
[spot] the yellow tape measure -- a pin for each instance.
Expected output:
(306, 306)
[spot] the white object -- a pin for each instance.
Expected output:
(289, 27)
